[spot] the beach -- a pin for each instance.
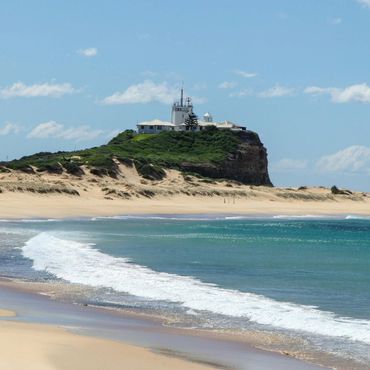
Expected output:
(43, 215)
(41, 347)
(47, 334)
(58, 196)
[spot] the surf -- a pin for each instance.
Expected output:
(82, 263)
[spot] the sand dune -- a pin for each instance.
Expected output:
(47, 195)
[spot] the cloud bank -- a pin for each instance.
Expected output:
(354, 159)
(359, 93)
(52, 129)
(19, 89)
(9, 128)
(364, 3)
(145, 92)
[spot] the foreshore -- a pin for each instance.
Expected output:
(47, 334)
(21, 205)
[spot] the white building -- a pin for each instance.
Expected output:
(180, 112)
(155, 127)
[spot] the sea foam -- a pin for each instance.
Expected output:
(81, 263)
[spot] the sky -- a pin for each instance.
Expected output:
(75, 73)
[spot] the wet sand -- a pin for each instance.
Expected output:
(84, 337)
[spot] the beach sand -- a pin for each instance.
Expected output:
(42, 347)
(57, 196)
(50, 334)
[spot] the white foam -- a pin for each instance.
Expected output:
(31, 220)
(293, 217)
(357, 217)
(81, 263)
(185, 217)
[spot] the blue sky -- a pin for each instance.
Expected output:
(74, 73)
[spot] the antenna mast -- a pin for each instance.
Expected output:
(182, 94)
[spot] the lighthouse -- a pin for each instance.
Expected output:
(181, 110)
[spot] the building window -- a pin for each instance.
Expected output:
(159, 127)
(142, 127)
(151, 127)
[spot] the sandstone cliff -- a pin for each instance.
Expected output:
(248, 164)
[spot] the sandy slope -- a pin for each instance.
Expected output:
(45, 195)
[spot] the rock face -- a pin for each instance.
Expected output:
(248, 165)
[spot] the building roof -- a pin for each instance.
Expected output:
(156, 122)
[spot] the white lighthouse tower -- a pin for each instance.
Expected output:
(181, 110)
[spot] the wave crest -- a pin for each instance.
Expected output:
(81, 263)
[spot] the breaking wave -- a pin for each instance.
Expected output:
(81, 263)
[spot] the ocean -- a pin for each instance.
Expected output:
(302, 282)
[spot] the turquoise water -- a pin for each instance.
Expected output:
(308, 278)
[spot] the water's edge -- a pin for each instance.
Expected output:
(33, 304)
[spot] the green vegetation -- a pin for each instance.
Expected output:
(191, 122)
(150, 152)
(150, 171)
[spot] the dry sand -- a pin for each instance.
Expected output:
(46, 195)
(41, 347)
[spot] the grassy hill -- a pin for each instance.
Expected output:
(149, 153)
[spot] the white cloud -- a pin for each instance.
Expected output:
(52, 129)
(89, 52)
(335, 21)
(354, 159)
(276, 92)
(80, 133)
(46, 130)
(241, 93)
(365, 3)
(359, 92)
(227, 85)
(145, 92)
(287, 164)
(9, 128)
(245, 74)
(19, 89)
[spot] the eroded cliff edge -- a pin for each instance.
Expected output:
(248, 164)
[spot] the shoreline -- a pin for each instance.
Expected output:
(45, 195)
(26, 206)
(39, 346)
(205, 202)
(195, 349)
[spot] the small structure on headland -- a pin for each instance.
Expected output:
(181, 111)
